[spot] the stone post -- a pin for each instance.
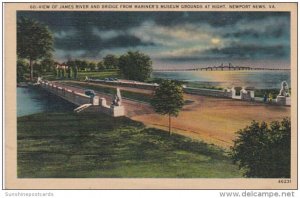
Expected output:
(233, 92)
(95, 100)
(74, 96)
(281, 100)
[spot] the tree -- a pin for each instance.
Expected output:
(34, 41)
(75, 71)
(110, 61)
(73, 68)
(135, 66)
(59, 75)
(262, 151)
(22, 68)
(63, 71)
(92, 66)
(83, 65)
(47, 64)
(168, 99)
(68, 70)
(100, 66)
(38, 69)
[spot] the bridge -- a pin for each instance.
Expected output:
(222, 67)
(76, 96)
(225, 68)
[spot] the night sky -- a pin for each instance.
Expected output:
(173, 39)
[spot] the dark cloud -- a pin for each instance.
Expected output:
(187, 59)
(250, 51)
(274, 32)
(241, 34)
(91, 42)
(125, 20)
(125, 41)
(76, 31)
(81, 24)
(84, 20)
(218, 19)
(240, 52)
(80, 40)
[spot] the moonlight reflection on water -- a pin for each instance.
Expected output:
(256, 79)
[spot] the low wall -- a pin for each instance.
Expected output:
(147, 86)
(67, 94)
(208, 92)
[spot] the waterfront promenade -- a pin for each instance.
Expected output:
(213, 120)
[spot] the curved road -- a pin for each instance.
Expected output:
(214, 120)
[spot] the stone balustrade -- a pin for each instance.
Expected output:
(98, 104)
(209, 92)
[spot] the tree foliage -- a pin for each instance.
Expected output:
(110, 61)
(135, 66)
(34, 41)
(168, 99)
(264, 151)
(83, 64)
(100, 66)
(92, 66)
(22, 69)
(47, 65)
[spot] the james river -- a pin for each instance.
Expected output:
(257, 79)
(31, 100)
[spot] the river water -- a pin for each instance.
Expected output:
(253, 78)
(31, 100)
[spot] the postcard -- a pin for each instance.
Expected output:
(150, 95)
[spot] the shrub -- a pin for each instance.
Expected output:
(264, 151)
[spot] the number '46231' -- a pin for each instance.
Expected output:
(284, 181)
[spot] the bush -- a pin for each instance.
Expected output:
(262, 151)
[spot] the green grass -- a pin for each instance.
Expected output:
(108, 90)
(199, 85)
(88, 145)
(91, 74)
(99, 75)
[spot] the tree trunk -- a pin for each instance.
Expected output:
(31, 69)
(170, 124)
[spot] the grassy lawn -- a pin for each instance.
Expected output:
(82, 74)
(199, 85)
(69, 145)
(99, 75)
(128, 94)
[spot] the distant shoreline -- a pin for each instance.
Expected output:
(218, 69)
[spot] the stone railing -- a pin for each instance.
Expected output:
(79, 99)
(209, 92)
(132, 84)
(67, 94)
(225, 93)
(97, 104)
